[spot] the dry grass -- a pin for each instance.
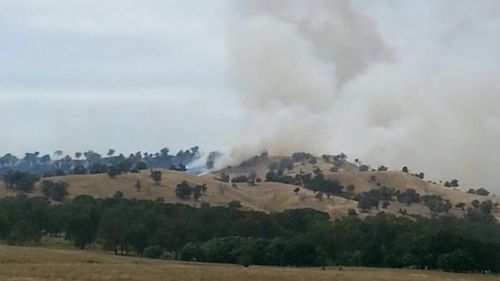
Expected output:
(36, 264)
(267, 197)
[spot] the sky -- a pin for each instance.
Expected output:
(390, 82)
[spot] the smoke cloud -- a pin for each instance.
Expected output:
(392, 85)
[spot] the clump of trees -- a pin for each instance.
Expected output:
(184, 190)
(437, 204)
(452, 183)
(55, 190)
(480, 191)
(316, 183)
(92, 162)
(240, 179)
(409, 196)
(302, 157)
(20, 181)
(371, 199)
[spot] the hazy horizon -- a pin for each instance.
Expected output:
(393, 83)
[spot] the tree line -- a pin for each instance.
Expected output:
(301, 237)
(91, 162)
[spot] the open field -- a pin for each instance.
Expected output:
(35, 264)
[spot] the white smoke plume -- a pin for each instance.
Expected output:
(338, 76)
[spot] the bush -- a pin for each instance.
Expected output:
(153, 252)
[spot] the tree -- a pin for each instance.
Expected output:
(113, 229)
(153, 252)
(197, 192)
(97, 168)
(483, 192)
(382, 168)
(79, 170)
(183, 190)
(365, 203)
(24, 232)
(141, 165)
(405, 169)
(296, 190)
(156, 176)
(364, 168)
(55, 190)
(111, 152)
(82, 221)
(113, 171)
(22, 181)
(452, 183)
(385, 204)
(138, 185)
(409, 196)
(460, 260)
(58, 153)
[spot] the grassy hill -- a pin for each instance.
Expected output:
(270, 196)
(37, 264)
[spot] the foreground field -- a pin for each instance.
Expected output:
(48, 264)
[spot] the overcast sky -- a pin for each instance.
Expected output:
(141, 75)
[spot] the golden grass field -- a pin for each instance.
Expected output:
(34, 264)
(266, 196)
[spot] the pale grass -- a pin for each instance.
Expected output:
(37, 264)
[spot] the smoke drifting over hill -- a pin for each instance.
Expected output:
(332, 76)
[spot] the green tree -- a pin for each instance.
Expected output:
(460, 260)
(197, 192)
(113, 171)
(156, 176)
(183, 190)
(113, 230)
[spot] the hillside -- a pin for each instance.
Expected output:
(39, 264)
(270, 196)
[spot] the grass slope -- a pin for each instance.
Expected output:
(38, 264)
(266, 196)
